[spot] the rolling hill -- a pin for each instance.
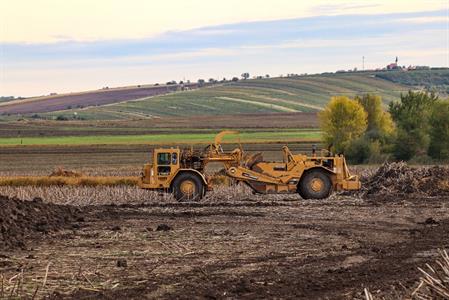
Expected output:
(255, 96)
(84, 99)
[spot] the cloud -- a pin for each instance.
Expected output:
(419, 53)
(313, 44)
(338, 8)
(212, 32)
(425, 20)
(46, 21)
(286, 33)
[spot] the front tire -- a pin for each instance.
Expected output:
(188, 187)
(315, 184)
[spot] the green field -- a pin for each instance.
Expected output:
(187, 138)
(294, 94)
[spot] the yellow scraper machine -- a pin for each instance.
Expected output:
(181, 172)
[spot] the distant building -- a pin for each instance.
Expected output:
(393, 66)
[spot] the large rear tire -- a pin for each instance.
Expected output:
(315, 184)
(188, 187)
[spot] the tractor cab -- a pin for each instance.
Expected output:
(168, 172)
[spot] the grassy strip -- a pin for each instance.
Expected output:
(187, 138)
(41, 181)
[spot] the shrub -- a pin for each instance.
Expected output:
(439, 130)
(411, 115)
(61, 118)
(365, 150)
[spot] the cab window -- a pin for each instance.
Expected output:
(174, 159)
(163, 159)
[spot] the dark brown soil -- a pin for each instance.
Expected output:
(247, 248)
(27, 220)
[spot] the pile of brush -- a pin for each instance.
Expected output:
(399, 178)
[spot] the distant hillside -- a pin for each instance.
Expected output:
(299, 94)
(83, 99)
(273, 95)
(436, 79)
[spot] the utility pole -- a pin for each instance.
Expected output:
(363, 63)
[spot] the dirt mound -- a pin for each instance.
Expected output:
(399, 178)
(21, 220)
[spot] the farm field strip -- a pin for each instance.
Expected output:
(91, 181)
(263, 104)
(203, 123)
(190, 138)
(112, 159)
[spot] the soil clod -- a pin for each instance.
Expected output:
(430, 221)
(116, 228)
(163, 227)
(122, 263)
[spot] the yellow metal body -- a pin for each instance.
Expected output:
(164, 168)
(261, 176)
(283, 177)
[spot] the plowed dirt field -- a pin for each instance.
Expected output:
(255, 247)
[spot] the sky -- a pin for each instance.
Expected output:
(49, 46)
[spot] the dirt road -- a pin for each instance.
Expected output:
(252, 248)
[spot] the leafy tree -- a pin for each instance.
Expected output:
(201, 82)
(411, 115)
(372, 145)
(380, 123)
(439, 131)
(342, 121)
(245, 75)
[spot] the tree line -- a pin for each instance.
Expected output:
(414, 128)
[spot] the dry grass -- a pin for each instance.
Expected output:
(434, 280)
(103, 195)
(433, 284)
(104, 170)
(82, 195)
(89, 181)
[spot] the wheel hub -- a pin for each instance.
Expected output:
(188, 187)
(317, 184)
